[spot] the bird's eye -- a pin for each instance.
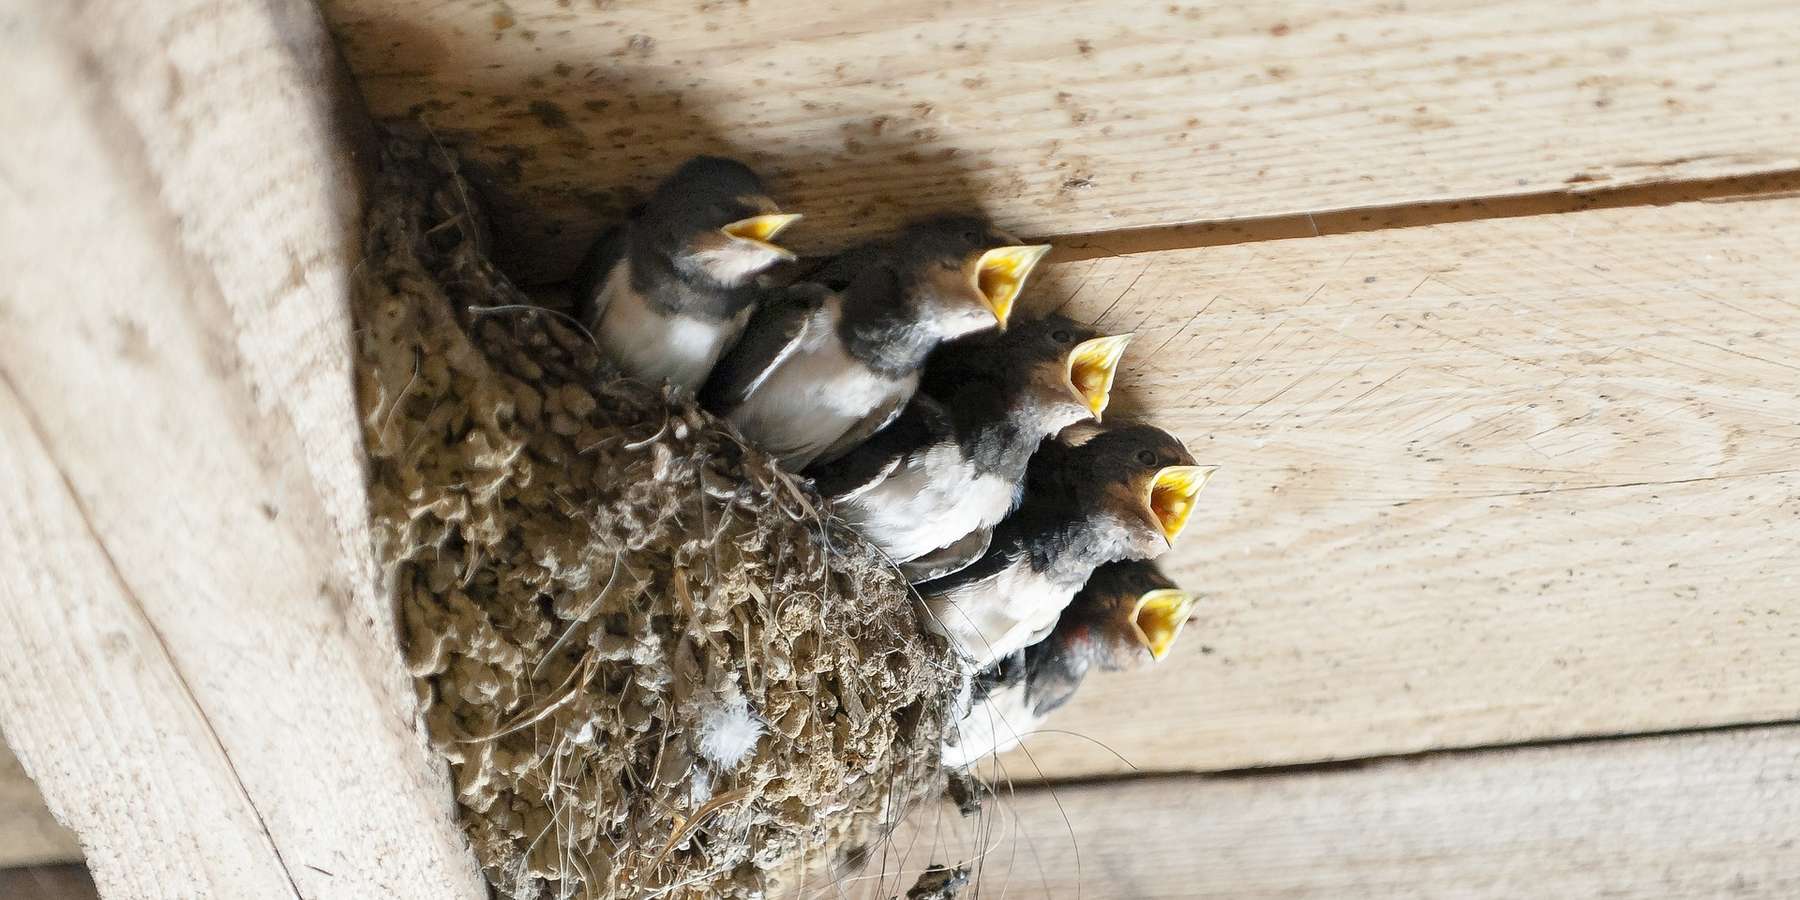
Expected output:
(1060, 336)
(1146, 457)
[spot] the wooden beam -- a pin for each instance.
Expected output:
(1706, 815)
(69, 882)
(29, 834)
(1486, 482)
(201, 674)
(1080, 115)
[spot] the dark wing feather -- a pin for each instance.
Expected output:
(950, 559)
(998, 558)
(590, 275)
(770, 336)
(1052, 673)
(922, 423)
(878, 418)
(838, 271)
(1009, 670)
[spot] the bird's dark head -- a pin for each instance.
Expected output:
(1053, 369)
(1131, 614)
(1136, 483)
(963, 273)
(1068, 367)
(1128, 615)
(713, 220)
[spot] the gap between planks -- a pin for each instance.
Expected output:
(1080, 246)
(1359, 763)
(1661, 816)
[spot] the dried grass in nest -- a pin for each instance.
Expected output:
(587, 570)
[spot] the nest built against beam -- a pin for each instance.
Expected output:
(655, 666)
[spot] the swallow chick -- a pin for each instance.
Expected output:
(834, 359)
(668, 291)
(929, 488)
(1128, 615)
(1125, 493)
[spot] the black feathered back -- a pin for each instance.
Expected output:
(1133, 578)
(1055, 666)
(1063, 473)
(990, 357)
(937, 239)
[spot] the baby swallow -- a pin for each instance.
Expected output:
(1126, 493)
(837, 357)
(1129, 614)
(669, 290)
(929, 488)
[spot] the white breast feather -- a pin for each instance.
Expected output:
(989, 619)
(814, 396)
(655, 347)
(932, 500)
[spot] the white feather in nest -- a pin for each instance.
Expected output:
(727, 730)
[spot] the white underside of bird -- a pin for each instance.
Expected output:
(654, 346)
(988, 619)
(815, 394)
(931, 500)
(996, 723)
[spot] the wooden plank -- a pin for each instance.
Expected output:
(1709, 815)
(1485, 482)
(200, 672)
(29, 834)
(1079, 115)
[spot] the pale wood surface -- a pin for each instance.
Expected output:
(1708, 815)
(198, 669)
(1082, 115)
(29, 835)
(1485, 482)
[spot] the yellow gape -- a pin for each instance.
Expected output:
(1159, 616)
(762, 229)
(1172, 493)
(1000, 275)
(1092, 365)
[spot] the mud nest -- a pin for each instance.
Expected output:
(655, 666)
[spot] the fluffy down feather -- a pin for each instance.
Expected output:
(728, 730)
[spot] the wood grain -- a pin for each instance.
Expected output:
(1080, 115)
(200, 672)
(1484, 483)
(29, 835)
(1709, 815)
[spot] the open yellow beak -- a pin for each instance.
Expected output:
(1092, 365)
(1171, 496)
(1000, 275)
(1159, 617)
(762, 230)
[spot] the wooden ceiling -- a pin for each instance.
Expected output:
(1490, 310)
